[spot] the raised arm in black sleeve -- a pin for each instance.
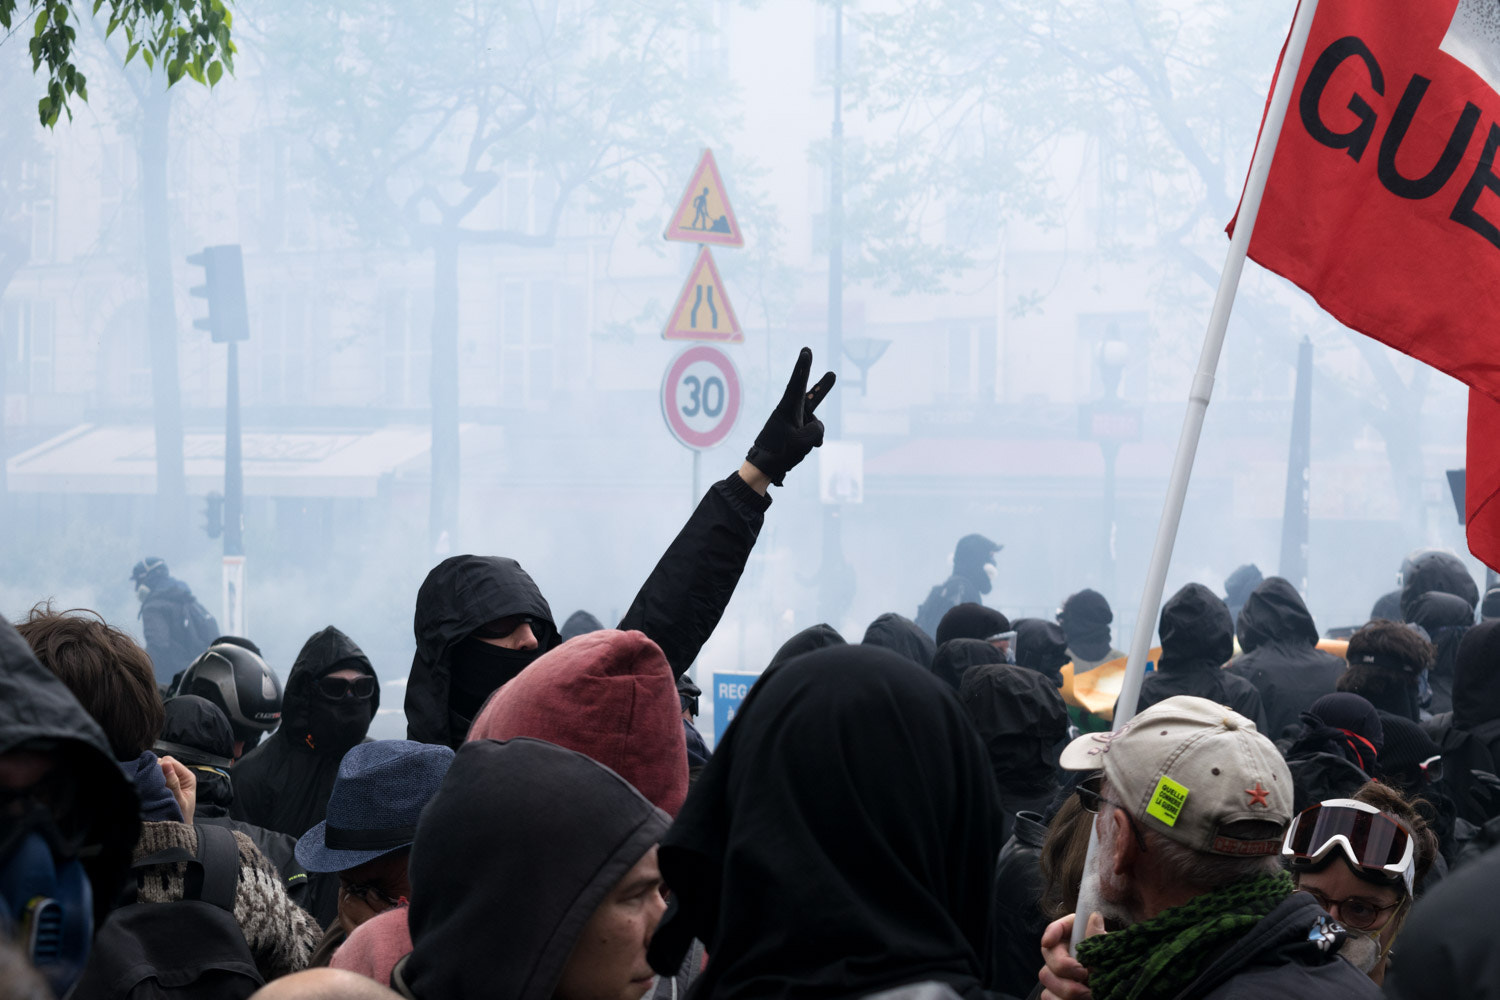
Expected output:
(681, 602)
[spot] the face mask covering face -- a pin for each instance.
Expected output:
(336, 726)
(477, 668)
(1362, 949)
(46, 902)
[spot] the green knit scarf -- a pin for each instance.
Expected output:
(1157, 958)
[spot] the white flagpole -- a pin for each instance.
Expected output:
(1198, 396)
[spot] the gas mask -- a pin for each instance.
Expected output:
(46, 901)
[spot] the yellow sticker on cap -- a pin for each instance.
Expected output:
(1167, 801)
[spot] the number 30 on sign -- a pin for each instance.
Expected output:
(700, 396)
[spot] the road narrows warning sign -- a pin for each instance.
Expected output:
(703, 215)
(703, 311)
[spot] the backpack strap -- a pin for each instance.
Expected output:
(213, 873)
(219, 856)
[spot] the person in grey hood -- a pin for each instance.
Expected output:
(559, 892)
(480, 620)
(1281, 657)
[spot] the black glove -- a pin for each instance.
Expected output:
(791, 431)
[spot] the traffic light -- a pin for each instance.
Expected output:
(213, 515)
(224, 288)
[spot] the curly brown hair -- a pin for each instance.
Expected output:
(107, 671)
(1393, 803)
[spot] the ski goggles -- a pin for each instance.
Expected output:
(339, 688)
(1374, 843)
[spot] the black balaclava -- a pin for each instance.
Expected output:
(1085, 618)
(478, 669)
(338, 726)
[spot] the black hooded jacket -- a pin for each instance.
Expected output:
(1197, 638)
(38, 711)
(678, 606)
(1439, 571)
(284, 783)
(956, 656)
(1470, 735)
(789, 895)
(902, 636)
(459, 595)
(1021, 718)
(1281, 657)
(545, 834)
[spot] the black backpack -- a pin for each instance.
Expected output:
(191, 949)
(201, 627)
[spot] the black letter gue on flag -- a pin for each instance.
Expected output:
(1383, 201)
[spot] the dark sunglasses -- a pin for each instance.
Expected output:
(339, 688)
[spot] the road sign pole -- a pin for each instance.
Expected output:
(697, 470)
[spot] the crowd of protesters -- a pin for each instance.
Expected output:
(920, 814)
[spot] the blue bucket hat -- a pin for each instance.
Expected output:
(376, 800)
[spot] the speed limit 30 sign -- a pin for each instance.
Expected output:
(700, 396)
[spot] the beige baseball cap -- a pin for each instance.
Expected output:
(1189, 769)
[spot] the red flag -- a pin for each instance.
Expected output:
(1383, 201)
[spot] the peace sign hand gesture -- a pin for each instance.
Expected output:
(792, 430)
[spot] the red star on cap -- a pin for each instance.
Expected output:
(1258, 796)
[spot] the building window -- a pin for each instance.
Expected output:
(407, 348)
(282, 359)
(39, 187)
(28, 341)
(528, 334)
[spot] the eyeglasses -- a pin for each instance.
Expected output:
(1432, 768)
(339, 688)
(1361, 914)
(374, 897)
(1091, 798)
(1374, 842)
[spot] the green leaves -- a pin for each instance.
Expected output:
(188, 37)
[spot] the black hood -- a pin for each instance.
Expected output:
(1085, 618)
(284, 783)
(1437, 610)
(544, 834)
(196, 732)
(901, 635)
(580, 623)
(459, 595)
(971, 621)
(36, 709)
(1041, 645)
(1275, 612)
(1196, 630)
(1320, 776)
(1476, 676)
(813, 637)
(954, 658)
(1387, 607)
(970, 556)
(1436, 570)
(322, 654)
(1020, 716)
(1241, 584)
(825, 907)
